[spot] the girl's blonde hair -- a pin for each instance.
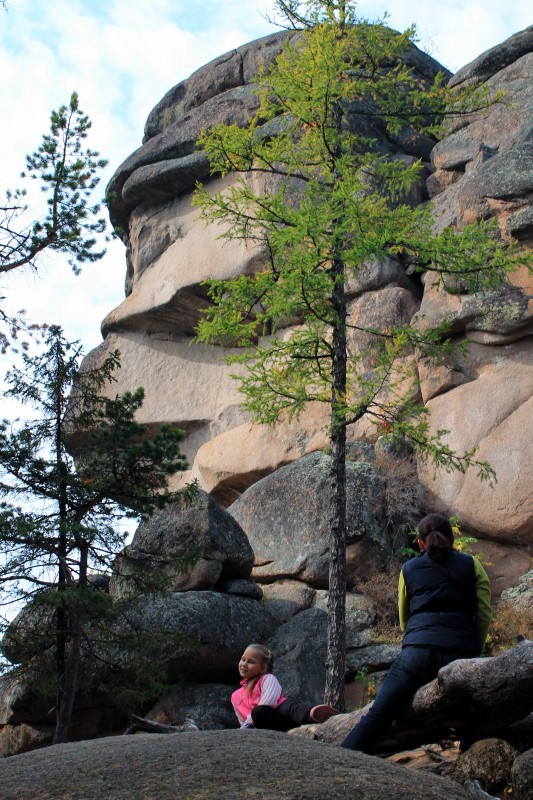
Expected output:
(267, 657)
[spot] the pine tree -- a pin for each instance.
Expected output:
(67, 174)
(338, 204)
(57, 516)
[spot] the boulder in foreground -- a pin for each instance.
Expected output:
(213, 765)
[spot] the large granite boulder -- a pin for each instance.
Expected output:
(197, 635)
(522, 776)
(488, 761)
(214, 764)
(286, 518)
(170, 252)
(183, 547)
(299, 648)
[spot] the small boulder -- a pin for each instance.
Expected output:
(286, 517)
(184, 547)
(522, 776)
(208, 704)
(285, 598)
(488, 761)
(197, 636)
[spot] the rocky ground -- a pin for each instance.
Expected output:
(213, 765)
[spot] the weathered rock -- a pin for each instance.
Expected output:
(498, 317)
(497, 58)
(360, 615)
(20, 738)
(19, 703)
(286, 518)
(285, 598)
(506, 566)
(199, 635)
(488, 761)
(208, 765)
(238, 457)
(483, 169)
(520, 734)
(30, 633)
(241, 588)
(208, 704)
(184, 547)
(170, 252)
(235, 68)
(522, 591)
(299, 648)
(165, 180)
(522, 776)
(491, 413)
(371, 656)
(386, 308)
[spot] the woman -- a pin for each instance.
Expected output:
(444, 605)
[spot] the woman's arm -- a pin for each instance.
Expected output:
(483, 610)
(403, 602)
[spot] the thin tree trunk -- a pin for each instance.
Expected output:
(72, 662)
(62, 617)
(336, 647)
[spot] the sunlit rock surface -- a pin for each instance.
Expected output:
(482, 168)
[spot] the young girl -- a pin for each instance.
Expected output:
(259, 703)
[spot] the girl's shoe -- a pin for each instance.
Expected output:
(322, 713)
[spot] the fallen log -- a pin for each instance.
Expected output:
(148, 726)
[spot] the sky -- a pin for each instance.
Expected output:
(122, 56)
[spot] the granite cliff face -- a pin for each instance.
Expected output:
(482, 168)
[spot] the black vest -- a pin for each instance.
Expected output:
(442, 604)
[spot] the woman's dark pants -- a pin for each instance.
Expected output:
(414, 667)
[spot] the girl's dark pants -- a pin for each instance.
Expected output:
(289, 714)
(414, 667)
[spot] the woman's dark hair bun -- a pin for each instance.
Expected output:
(435, 530)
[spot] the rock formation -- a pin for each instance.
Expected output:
(482, 168)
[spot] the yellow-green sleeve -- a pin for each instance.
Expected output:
(403, 602)
(483, 610)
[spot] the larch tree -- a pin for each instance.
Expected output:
(332, 203)
(58, 516)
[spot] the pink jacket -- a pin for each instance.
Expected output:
(266, 692)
